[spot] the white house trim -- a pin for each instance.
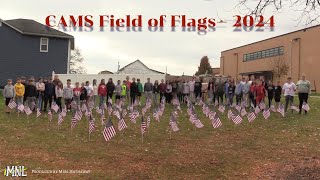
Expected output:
(69, 56)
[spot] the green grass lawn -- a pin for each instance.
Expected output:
(278, 148)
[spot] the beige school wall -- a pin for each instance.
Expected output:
(301, 51)
(115, 77)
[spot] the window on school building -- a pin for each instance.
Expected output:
(44, 45)
(263, 54)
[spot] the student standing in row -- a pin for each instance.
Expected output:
(19, 90)
(277, 94)
(83, 95)
(68, 95)
(140, 90)
(245, 91)
(252, 94)
(148, 88)
(95, 91)
(211, 91)
(9, 94)
(304, 88)
(191, 88)
(260, 92)
(128, 83)
(40, 86)
(230, 91)
(124, 90)
(180, 91)
(219, 91)
(49, 94)
(118, 92)
(59, 94)
(110, 89)
(289, 89)
(162, 88)
(197, 89)
(156, 91)
(238, 92)
(102, 92)
(76, 94)
(168, 94)
(186, 90)
(270, 90)
(133, 91)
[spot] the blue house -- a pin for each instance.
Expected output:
(29, 48)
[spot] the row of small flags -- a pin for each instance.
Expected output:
(120, 112)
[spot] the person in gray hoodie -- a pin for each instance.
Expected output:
(8, 93)
(68, 95)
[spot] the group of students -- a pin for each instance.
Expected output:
(254, 91)
(42, 93)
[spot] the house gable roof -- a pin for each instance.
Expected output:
(34, 28)
(138, 61)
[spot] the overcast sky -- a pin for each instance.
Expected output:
(179, 51)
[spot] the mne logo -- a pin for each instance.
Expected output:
(15, 171)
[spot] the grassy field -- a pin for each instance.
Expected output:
(281, 148)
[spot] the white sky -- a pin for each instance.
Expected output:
(179, 51)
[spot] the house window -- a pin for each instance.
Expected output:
(44, 45)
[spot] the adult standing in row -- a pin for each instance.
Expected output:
(211, 90)
(133, 91)
(289, 89)
(304, 89)
(148, 88)
(162, 88)
(156, 91)
(128, 83)
(191, 88)
(110, 89)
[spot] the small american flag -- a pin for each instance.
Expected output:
(27, 110)
(91, 125)
(50, 116)
(266, 113)
(198, 123)
(262, 105)
(230, 114)
(221, 108)
(38, 112)
(281, 110)
(60, 118)
(33, 105)
(55, 107)
(21, 107)
(237, 119)
(124, 113)
(122, 124)
(99, 111)
(117, 114)
(74, 122)
(173, 123)
(243, 112)
(156, 115)
(148, 121)
(110, 110)
(305, 106)
(12, 104)
(110, 101)
(143, 126)
(216, 122)
(84, 107)
(238, 108)
(109, 131)
(78, 115)
(257, 110)
(293, 107)
(251, 116)
(273, 108)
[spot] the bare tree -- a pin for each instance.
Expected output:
(310, 9)
(280, 67)
(76, 62)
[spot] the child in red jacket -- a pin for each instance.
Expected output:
(260, 92)
(102, 92)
